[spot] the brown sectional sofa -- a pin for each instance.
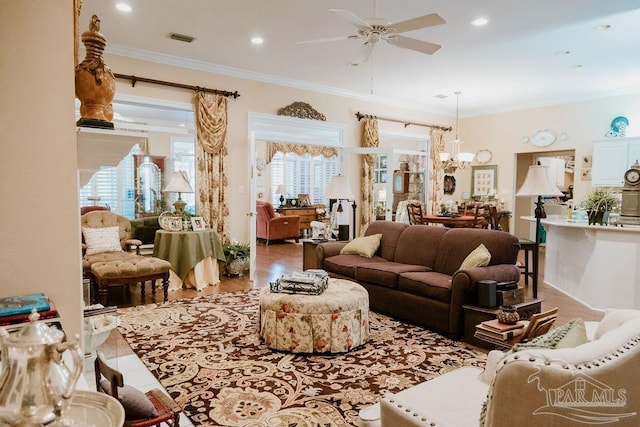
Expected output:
(415, 276)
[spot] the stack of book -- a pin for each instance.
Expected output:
(16, 309)
(496, 330)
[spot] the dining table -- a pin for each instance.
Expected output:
(461, 221)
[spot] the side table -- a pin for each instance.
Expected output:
(309, 258)
(474, 314)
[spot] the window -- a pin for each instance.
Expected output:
(184, 158)
(113, 186)
(302, 174)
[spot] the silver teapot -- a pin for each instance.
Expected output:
(37, 382)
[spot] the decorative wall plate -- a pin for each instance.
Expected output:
(543, 138)
(484, 156)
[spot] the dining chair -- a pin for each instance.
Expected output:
(414, 210)
(160, 407)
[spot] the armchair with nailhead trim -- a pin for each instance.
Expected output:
(597, 382)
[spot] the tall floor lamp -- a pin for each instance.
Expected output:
(537, 183)
(339, 189)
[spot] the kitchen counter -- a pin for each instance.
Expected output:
(598, 265)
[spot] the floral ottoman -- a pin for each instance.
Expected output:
(333, 322)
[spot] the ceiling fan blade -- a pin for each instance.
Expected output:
(363, 54)
(417, 23)
(414, 44)
(329, 39)
(349, 16)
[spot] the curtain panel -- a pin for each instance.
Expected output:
(436, 174)
(211, 161)
(370, 138)
(299, 149)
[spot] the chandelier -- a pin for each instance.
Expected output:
(455, 159)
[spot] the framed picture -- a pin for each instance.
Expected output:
(174, 223)
(484, 180)
(449, 184)
(197, 223)
(304, 200)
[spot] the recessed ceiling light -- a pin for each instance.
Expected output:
(257, 40)
(123, 7)
(479, 22)
(602, 27)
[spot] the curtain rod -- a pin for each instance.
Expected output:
(361, 116)
(135, 79)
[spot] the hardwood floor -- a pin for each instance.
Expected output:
(279, 258)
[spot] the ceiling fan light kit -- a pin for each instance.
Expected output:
(374, 30)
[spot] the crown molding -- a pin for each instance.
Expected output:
(260, 77)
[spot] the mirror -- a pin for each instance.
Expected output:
(125, 169)
(148, 181)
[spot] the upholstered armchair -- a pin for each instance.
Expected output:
(271, 226)
(581, 382)
(108, 259)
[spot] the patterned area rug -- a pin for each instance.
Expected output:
(206, 352)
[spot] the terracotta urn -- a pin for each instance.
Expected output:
(95, 82)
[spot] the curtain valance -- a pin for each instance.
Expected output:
(299, 149)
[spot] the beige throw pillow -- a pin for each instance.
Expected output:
(363, 246)
(105, 239)
(479, 257)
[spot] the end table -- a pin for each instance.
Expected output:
(474, 314)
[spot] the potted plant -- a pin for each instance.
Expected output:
(599, 202)
(237, 255)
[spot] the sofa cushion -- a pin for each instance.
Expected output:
(390, 231)
(426, 239)
(364, 246)
(103, 239)
(430, 284)
(385, 273)
(569, 335)
(613, 318)
(479, 257)
(345, 265)
(457, 243)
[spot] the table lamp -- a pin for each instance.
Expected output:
(537, 183)
(339, 189)
(281, 190)
(178, 184)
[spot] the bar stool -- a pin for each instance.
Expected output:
(527, 246)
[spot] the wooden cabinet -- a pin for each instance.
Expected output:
(611, 158)
(306, 216)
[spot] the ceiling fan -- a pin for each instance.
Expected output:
(373, 30)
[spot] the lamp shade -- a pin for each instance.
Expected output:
(178, 183)
(339, 189)
(537, 183)
(281, 189)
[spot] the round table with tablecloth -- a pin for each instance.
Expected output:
(335, 321)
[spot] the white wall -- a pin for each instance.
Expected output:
(583, 122)
(40, 249)
(261, 98)
(501, 133)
